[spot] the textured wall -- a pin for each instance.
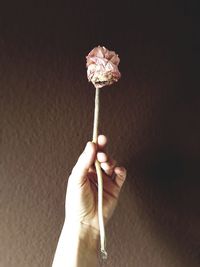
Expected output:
(151, 118)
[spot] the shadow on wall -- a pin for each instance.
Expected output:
(167, 183)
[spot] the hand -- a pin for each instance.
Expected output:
(82, 192)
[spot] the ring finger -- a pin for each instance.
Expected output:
(108, 167)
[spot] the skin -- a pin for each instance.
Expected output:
(79, 239)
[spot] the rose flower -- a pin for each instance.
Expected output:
(102, 67)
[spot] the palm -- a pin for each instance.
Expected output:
(89, 198)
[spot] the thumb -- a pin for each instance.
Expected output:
(85, 161)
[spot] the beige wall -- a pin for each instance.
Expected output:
(151, 118)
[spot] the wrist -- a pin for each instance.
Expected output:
(77, 246)
(85, 234)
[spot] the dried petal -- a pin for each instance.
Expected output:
(102, 67)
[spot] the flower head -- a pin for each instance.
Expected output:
(102, 67)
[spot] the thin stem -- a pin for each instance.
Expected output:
(96, 116)
(100, 179)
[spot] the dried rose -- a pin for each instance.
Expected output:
(102, 67)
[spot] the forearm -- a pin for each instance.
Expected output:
(77, 247)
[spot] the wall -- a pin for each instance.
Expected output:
(151, 118)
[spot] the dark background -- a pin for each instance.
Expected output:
(151, 118)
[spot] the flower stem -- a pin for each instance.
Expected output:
(100, 180)
(96, 116)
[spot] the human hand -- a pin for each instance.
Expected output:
(82, 193)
